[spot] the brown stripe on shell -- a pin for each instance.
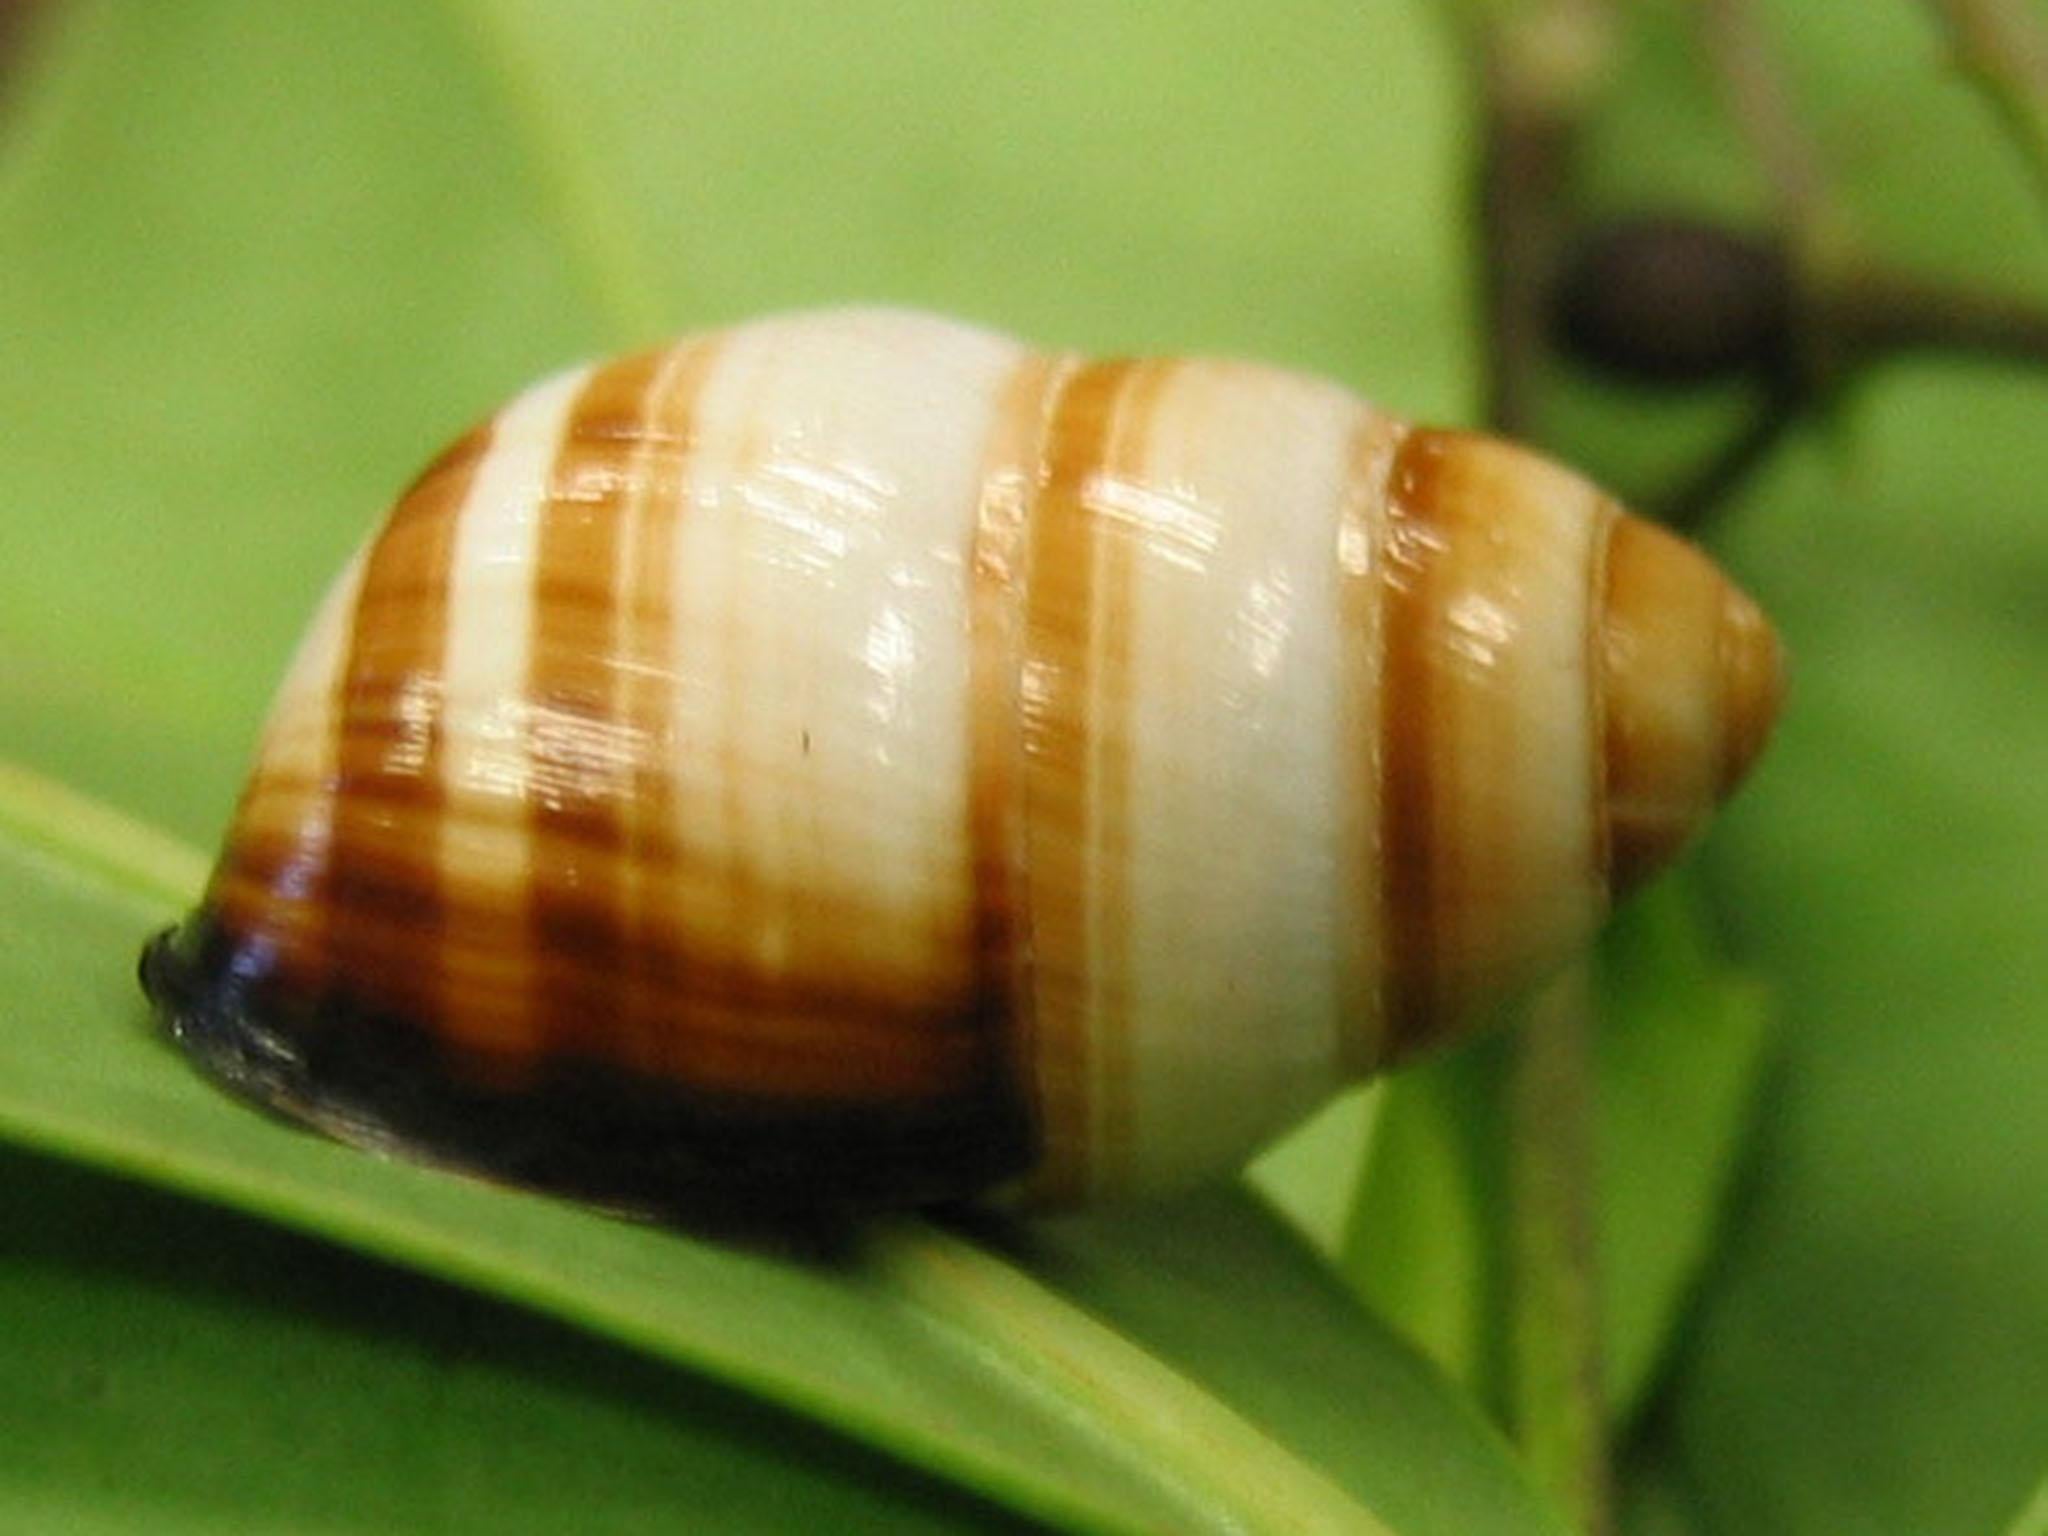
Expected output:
(829, 1023)
(999, 576)
(385, 954)
(1492, 860)
(1362, 599)
(646, 634)
(1118, 543)
(1053, 712)
(726, 1024)
(1413, 552)
(284, 903)
(1608, 515)
(625, 963)
(834, 1038)
(1658, 629)
(270, 883)
(582, 754)
(1059, 700)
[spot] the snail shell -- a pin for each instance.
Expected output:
(855, 760)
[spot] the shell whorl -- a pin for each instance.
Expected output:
(914, 763)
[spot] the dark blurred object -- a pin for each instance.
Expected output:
(1673, 301)
(17, 20)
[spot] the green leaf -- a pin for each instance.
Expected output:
(1183, 1367)
(175, 1369)
(1680, 1059)
(1677, 1051)
(1423, 1241)
(1310, 1176)
(1887, 1290)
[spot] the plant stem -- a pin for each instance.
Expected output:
(149, 866)
(1541, 62)
(1874, 312)
(1556, 1392)
(1860, 316)
(2005, 51)
(1854, 311)
(1521, 252)
(1537, 64)
(1712, 485)
(1762, 108)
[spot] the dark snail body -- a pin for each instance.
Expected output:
(579, 1128)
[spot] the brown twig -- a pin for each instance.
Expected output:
(1536, 63)
(1763, 111)
(1872, 312)
(2005, 50)
(1861, 317)
(1712, 484)
(1848, 311)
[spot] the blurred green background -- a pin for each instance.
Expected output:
(258, 262)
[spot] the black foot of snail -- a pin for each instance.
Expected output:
(581, 1129)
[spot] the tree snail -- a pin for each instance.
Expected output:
(852, 760)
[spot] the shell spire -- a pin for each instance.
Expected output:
(854, 760)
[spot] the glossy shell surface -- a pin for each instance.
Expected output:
(854, 758)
